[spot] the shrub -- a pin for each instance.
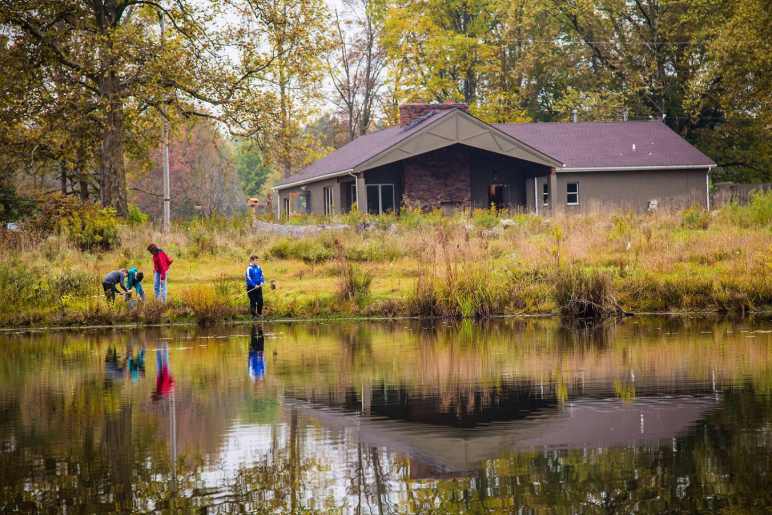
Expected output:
(695, 217)
(413, 216)
(585, 294)
(758, 212)
(136, 216)
(203, 303)
(373, 251)
(86, 225)
(622, 230)
(477, 293)
(21, 287)
(354, 283)
(485, 218)
(203, 240)
(310, 250)
(423, 299)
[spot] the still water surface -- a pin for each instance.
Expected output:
(648, 415)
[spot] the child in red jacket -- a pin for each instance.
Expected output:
(161, 264)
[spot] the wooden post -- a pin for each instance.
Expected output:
(361, 193)
(556, 203)
(167, 199)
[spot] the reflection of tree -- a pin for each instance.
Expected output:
(70, 437)
(368, 482)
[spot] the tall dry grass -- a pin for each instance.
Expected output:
(466, 265)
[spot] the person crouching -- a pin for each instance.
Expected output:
(112, 282)
(254, 282)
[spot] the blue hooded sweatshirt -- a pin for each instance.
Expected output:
(254, 276)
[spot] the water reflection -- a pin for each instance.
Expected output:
(649, 415)
(164, 382)
(256, 360)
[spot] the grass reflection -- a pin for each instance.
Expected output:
(387, 418)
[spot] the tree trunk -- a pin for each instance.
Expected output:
(63, 177)
(112, 175)
(81, 173)
(286, 157)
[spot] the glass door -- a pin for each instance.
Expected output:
(381, 198)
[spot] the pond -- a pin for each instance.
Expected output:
(522, 415)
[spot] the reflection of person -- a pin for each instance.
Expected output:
(164, 382)
(112, 281)
(256, 361)
(135, 364)
(254, 281)
(113, 365)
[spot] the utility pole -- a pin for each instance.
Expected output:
(167, 219)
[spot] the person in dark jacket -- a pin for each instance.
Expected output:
(113, 281)
(254, 282)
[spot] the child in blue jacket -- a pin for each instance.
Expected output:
(254, 281)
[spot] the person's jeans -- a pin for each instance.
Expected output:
(159, 286)
(255, 301)
(110, 292)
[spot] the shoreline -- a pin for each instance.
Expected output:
(703, 314)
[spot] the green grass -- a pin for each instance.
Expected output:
(419, 264)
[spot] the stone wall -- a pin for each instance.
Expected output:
(441, 178)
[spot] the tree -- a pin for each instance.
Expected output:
(299, 36)
(113, 51)
(203, 175)
(740, 64)
(445, 47)
(356, 65)
(250, 168)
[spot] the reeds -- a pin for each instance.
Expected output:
(466, 265)
(587, 294)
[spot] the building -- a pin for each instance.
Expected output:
(441, 156)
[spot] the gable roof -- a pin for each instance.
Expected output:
(610, 145)
(355, 152)
(564, 146)
(436, 130)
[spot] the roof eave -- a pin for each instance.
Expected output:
(318, 178)
(634, 168)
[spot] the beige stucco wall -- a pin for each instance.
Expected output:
(317, 196)
(632, 190)
(598, 191)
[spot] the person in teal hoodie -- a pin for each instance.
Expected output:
(134, 280)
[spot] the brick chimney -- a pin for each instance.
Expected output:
(410, 112)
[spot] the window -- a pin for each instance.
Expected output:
(572, 193)
(304, 202)
(353, 193)
(329, 208)
(380, 198)
(545, 194)
(285, 211)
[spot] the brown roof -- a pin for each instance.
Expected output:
(609, 144)
(576, 145)
(361, 149)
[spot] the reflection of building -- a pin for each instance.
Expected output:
(453, 435)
